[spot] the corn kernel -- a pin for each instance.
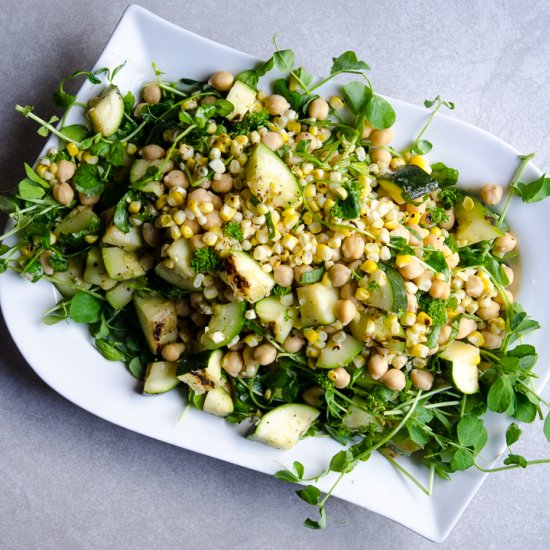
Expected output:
(424, 319)
(161, 202)
(53, 168)
(186, 231)
(420, 350)
(391, 225)
(72, 149)
(179, 217)
(414, 218)
(336, 102)
(342, 193)
(421, 162)
(166, 220)
(476, 338)
(409, 319)
(362, 294)
(41, 170)
(312, 335)
(88, 158)
(294, 126)
(210, 238)
(369, 266)
(403, 260)
(324, 252)
(468, 203)
(396, 162)
(134, 207)
(307, 218)
(227, 213)
(174, 232)
(206, 207)
(175, 197)
(131, 149)
(90, 239)
(310, 191)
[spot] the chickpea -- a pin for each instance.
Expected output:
(306, 136)
(197, 242)
(172, 352)
(377, 365)
(381, 137)
(489, 312)
(318, 109)
(183, 309)
(491, 194)
(232, 363)
(444, 335)
(340, 377)
(251, 364)
(367, 130)
(509, 274)
(347, 292)
(176, 178)
(293, 344)
(283, 275)
(436, 241)
(440, 289)
(339, 275)
(151, 93)
(505, 244)
(138, 110)
(450, 221)
(202, 195)
(44, 260)
(465, 327)
(413, 269)
(345, 311)
(312, 396)
(65, 170)
(353, 247)
(153, 152)
(424, 282)
(63, 193)
(491, 341)
(474, 286)
(224, 184)
(265, 354)
(273, 140)
(394, 379)
(452, 260)
(422, 379)
(412, 239)
(151, 234)
(299, 270)
(500, 300)
(88, 201)
(221, 81)
(213, 219)
(193, 225)
(209, 100)
(276, 105)
(380, 155)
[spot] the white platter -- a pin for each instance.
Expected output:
(62, 355)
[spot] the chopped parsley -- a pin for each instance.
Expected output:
(251, 122)
(205, 259)
(437, 215)
(233, 230)
(450, 196)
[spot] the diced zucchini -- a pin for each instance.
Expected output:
(160, 377)
(107, 111)
(283, 426)
(382, 329)
(174, 278)
(278, 317)
(158, 319)
(122, 265)
(71, 281)
(181, 254)
(464, 360)
(119, 296)
(270, 179)
(357, 418)
(392, 295)
(476, 224)
(393, 190)
(77, 220)
(218, 402)
(202, 372)
(246, 276)
(242, 97)
(140, 166)
(130, 241)
(95, 273)
(317, 303)
(341, 354)
(226, 322)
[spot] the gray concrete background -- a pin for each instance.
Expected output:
(69, 480)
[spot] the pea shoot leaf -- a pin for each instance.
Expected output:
(422, 147)
(305, 77)
(472, 433)
(380, 113)
(313, 275)
(87, 180)
(280, 87)
(436, 260)
(348, 62)
(357, 96)
(85, 308)
(445, 176)
(121, 217)
(284, 60)
(526, 411)
(109, 351)
(513, 433)
(462, 460)
(512, 459)
(7, 205)
(28, 190)
(76, 132)
(547, 427)
(535, 190)
(309, 494)
(501, 397)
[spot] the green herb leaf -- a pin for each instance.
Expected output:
(203, 114)
(309, 494)
(380, 113)
(87, 180)
(348, 62)
(350, 207)
(312, 276)
(223, 107)
(422, 147)
(445, 176)
(535, 190)
(28, 190)
(109, 351)
(280, 86)
(135, 366)
(85, 308)
(76, 132)
(472, 433)
(513, 433)
(501, 396)
(129, 102)
(305, 77)
(462, 460)
(116, 154)
(357, 96)
(121, 217)
(547, 427)
(512, 459)
(250, 78)
(34, 177)
(436, 260)
(7, 205)
(321, 523)
(342, 461)
(284, 60)
(205, 259)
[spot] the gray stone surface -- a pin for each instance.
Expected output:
(69, 480)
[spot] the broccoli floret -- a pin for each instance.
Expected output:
(450, 196)
(252, 121)
(205, 259)
(233, 230)
(438, 215)
(450, 241)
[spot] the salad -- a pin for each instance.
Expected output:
(267, 248)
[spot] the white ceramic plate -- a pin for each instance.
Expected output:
(64, 358)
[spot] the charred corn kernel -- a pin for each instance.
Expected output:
(90, 239)
(336, 102)
(312, 335)
(468, 203)
(186, 232)
(396, 162)
(161, 201)
(131, 149)
(342, 193)
(476, 338)
(310, 191)
(424, 319)
(227, 213)
(403, 260)
(166, 220)
(324, 252)
(421, 162)
(210, 238)
(291, 220)
(41, 170)
(371, 327)
(206, 207)
(293, 126)
(414, 218)
(134, 207)
(179, 217)
(409, 319)
(72, 149)
(369, 266)
(174, 232)
(362, 294)
(420, 350)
